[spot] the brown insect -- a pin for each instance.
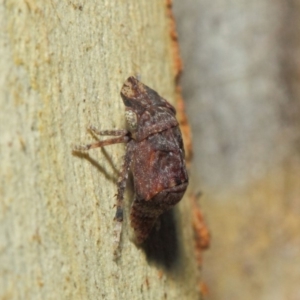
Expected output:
(154, 153)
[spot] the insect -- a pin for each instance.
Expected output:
(154, 153)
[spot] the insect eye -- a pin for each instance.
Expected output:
(131, 119)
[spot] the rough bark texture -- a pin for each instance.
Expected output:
(241, 86)
(62, 66)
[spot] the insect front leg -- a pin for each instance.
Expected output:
(123, 136)
(116, 132)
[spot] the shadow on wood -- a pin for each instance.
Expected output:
(95, 163)
(162, 247)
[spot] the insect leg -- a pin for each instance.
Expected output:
(99, 144)
(118, 132)
(120, 196)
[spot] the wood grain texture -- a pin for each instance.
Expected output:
(62, 66)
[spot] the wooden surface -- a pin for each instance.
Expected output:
(62, 66)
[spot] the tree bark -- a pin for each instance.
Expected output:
(241, 86)
(62, 66)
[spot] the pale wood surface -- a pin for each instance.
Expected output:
(62, 66)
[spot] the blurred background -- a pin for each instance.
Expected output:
(241, 88)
